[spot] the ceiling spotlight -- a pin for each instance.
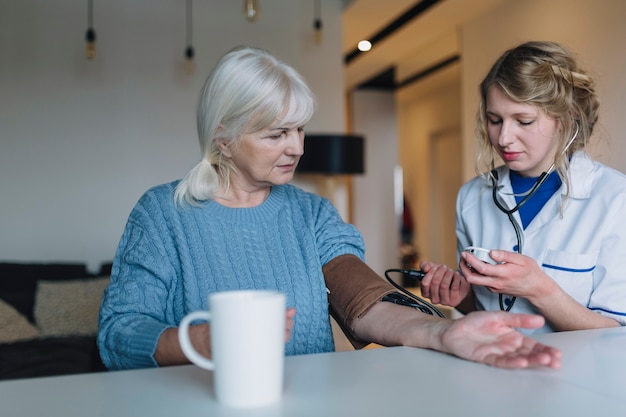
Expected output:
(364, 46)
(251, 10)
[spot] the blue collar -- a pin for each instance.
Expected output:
(533, 206)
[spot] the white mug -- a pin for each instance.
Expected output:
(247, 346)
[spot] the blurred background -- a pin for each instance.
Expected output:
(83, 133)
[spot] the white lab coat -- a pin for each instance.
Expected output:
(583, 249)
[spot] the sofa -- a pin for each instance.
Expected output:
(49, 318)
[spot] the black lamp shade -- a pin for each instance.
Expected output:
(332, 154)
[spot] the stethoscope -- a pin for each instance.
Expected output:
(519, 235)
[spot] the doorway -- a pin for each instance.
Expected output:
(445, 180)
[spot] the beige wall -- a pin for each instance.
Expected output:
(374, 112)
(429, 119)
(594, 30)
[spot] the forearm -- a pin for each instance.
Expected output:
(353, 289)
(168, 350)
(390, 324)
(564, 313)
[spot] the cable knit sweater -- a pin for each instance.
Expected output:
(170, 258)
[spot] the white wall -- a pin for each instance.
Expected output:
(81, 140)
(594, 30)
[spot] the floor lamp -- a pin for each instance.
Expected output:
(333, 156)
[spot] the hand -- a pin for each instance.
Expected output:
(491, 338)
(291, 313)
(487, 337)
(443, 285)
(169, 352)
(515, 274)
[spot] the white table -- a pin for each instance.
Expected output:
(386, 382)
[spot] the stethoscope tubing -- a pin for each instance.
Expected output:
(518, 230)
(519, 234)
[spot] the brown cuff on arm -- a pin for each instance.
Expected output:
(353, 289)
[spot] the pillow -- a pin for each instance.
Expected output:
(14, 327)
(69, 308)
(18, 281)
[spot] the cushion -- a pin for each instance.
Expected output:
(18, 281)
(69, 308)
(14, 326)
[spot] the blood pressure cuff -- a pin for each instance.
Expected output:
(353, 289)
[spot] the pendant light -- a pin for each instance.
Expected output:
(317, 23)
(90, 36)
(189, 51)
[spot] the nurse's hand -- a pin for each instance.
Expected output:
(516, 274)
(443, 285)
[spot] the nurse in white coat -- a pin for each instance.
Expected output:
(555, 224)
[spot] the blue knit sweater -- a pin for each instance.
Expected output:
(170, 258)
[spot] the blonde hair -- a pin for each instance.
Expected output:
(247, 91)
(545, 75)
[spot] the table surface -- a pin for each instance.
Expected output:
(385, 382)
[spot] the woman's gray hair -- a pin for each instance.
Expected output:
(248, 90)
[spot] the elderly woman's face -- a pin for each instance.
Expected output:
(267, 157)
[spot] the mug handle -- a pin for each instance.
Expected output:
(185, 343)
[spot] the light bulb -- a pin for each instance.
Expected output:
(317, 23)
(317, 27)
(190, 65)
(251, 9)
(90, 48)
